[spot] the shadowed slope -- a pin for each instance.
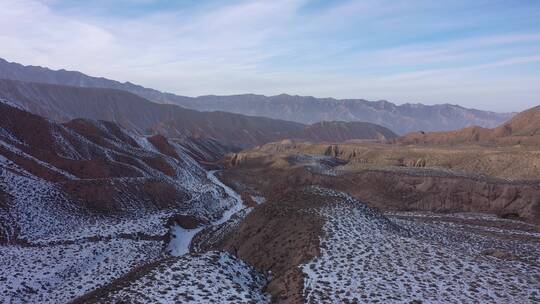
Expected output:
(62, 103)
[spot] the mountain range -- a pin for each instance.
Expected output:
(62, 103)
(401, 119)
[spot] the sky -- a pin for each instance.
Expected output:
(480, 54)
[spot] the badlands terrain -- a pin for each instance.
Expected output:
(109, 197)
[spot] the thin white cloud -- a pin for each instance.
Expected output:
(450, 50)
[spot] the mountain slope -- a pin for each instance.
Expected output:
(86, 202)
(526, 123)
(338, 131)
(62, 103)
(523, 128)
(327, 246)
(93, 168)
(304, 109)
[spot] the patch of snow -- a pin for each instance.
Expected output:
(144, 143)
(181, 238)
(10, 103)
(238, 203)
(5, 133)
(38, 161)
(258, 199)
(212, 277)
(63, 147)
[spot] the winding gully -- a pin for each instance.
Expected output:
(179, 245)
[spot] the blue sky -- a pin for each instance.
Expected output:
(482, 54)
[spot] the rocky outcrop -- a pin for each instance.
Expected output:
(277, 237)
(516, 163)
(418, 163)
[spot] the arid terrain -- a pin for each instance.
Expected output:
(523, 130)
(107, 197)
(513, 162)
(397, 226)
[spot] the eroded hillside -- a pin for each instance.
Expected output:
(86, 202)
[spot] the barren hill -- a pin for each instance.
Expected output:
(523, 128)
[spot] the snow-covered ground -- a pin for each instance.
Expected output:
(366, 258)
(67, 263)
(237, 204)
(57, 251)
(149, 225)
(60, 238)
(60, 273)
(64, 265)
(258, 199)
(212, 277)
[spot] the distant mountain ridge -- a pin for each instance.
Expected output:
(304, 109)
(63, 103)
(522, 129)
